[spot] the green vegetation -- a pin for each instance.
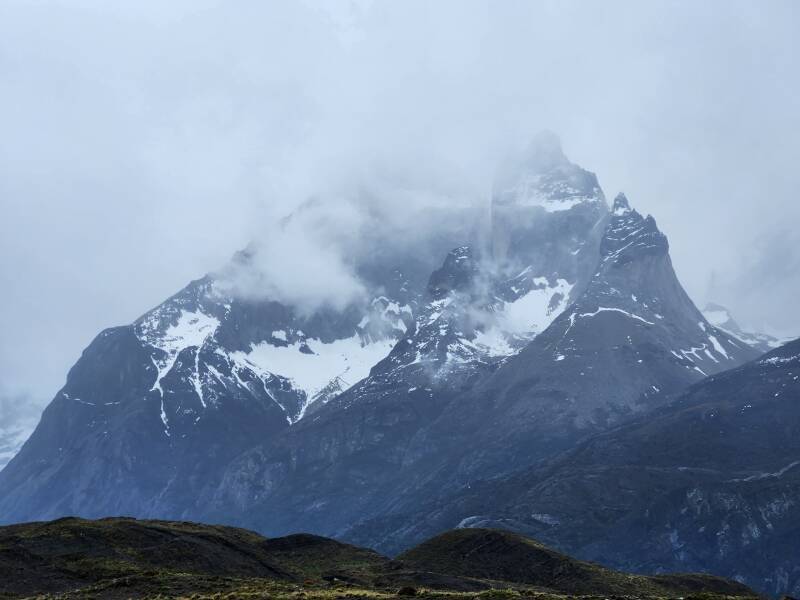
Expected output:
(506, 556)
(125, 558)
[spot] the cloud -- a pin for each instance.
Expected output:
(320, 255)
(300, 261)
(15, 408)
(18, 417)
(765, 286)
(144, 143)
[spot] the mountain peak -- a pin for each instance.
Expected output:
(544, 151)
(457, 274)
(621, 205)
(542, 179)
(629, 234)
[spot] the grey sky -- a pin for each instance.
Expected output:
(142, 143)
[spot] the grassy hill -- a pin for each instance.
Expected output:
(510, 557)
(126, 558)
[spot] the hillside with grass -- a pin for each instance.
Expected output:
(119, 558)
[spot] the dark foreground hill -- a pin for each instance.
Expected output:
(506, 556)
(126, 558)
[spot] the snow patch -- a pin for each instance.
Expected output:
(534, 191)
(493, 342)
(718, 347)
(776, 475)
(349, 360)
(533, 312)
(621, 210)
(619, 310)
(191, 330)
(777, 360)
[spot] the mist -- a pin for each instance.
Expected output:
(144, 144)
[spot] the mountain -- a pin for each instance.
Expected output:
(123, 558)
(708, 483)
(440, 413)
(153, 410)
(632, 338)
(463, 361)
(623, 348)
(720, 317)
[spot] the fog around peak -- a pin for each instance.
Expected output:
(144, 144)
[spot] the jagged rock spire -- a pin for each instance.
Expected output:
(621, 204)
(457, 274)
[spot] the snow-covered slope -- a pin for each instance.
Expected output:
(153, 410)
(202, 345)
(487, 302)
(469, 319)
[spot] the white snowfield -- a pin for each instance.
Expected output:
(520, 320)
(348, 360)
(310, 364)
(532, 313)
(506, 327)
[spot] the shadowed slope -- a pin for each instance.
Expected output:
(506, 556)
(123, 558)
(74, 553)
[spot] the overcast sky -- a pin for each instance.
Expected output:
(142, 143)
